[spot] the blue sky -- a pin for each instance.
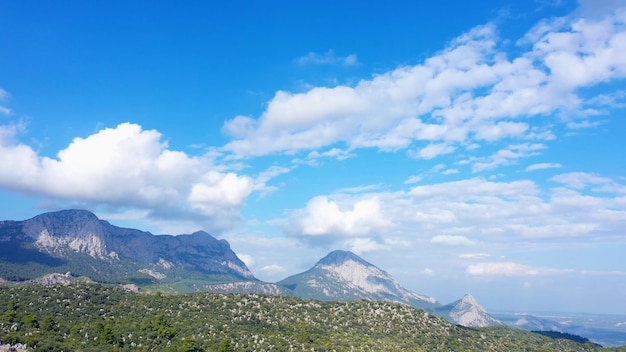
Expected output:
(460, 147)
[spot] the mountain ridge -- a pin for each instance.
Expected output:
(468, 312)
(95, 249)
(342, 275)
(77, 240)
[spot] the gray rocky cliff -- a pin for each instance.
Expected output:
(80, 242)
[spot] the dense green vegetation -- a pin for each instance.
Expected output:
(562, 335)
(90, 317)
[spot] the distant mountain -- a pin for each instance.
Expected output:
(467, 312)
(77, 241)
(530, 322)
(604, 329)
(344, 276)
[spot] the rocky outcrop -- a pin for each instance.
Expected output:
(468, 312)
(249, 287)
(344, 276)
(78, 241)
(58, 279)
(19, 347)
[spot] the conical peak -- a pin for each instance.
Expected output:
(339, 257)
(468, 298)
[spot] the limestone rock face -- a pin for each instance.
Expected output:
(77, 241)
(468, 312)
(344, 276)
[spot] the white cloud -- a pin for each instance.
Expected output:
(326, 217)
(465, 212)
(433, 150)
(130, 214)
(363, 245)
(326, 58)
(511, 269)
(428, 272)
(603, 273)
(515, 269)
(584, 124)
(359, 189)
(473, 256)
(587, 52)
(413, 179)
(598, 8)
(611, 99)
(580, 180)
(130, 167)
(3, 96)
(501, 130)
(247, 259)
(467, 94)
(450, 172)
(336, 153)
(273, 269)
(216, 190)
(475, 189)
(451, 240)
(260, 182)
(542, 166)
(507, 156)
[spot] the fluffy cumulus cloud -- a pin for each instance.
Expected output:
(466, 213)
(126, 166)
(471, 92)
(324, 216)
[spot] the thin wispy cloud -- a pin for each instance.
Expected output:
(452, 240)
(512, 269)
(543, 166)
(327, 58)
(4, 96)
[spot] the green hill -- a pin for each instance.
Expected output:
(92, 317)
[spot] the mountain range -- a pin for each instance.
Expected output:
(79, 244)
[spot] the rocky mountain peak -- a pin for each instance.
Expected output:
(339, 257)
(468, 299)
(71, 238)
(468, 312)
(73, 229)
(67, 216)
(344, 276)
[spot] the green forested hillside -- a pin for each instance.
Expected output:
(89, 317)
